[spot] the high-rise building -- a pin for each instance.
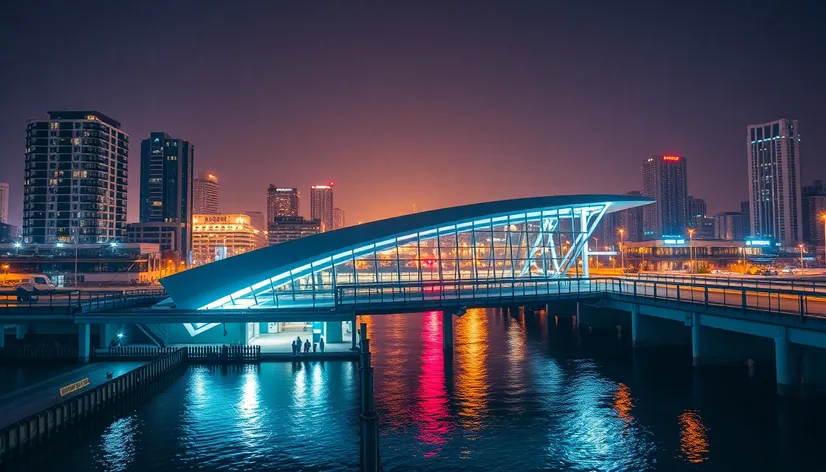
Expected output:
(218, 236)
(664, 179)
(76, 179)
(774, 181)
(257, 219)
(289, 228)
(321, 205)
(744, 209)
(814, 213)
(696, 211)
(205, 195)
(282, 201)
(338, 218)
(728, 225)
(4, 203)
(167, 186)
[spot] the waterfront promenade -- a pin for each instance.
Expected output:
(37, 397)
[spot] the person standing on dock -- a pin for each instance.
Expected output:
(321, 344)
(293, 346)
(298, 345)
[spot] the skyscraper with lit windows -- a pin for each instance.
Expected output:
(321, 205)
(664, 179)
(282, 201)
(76, 176)
(774, 181)
(205, 195)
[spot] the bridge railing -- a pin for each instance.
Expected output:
(769, 283)
(460, 290)
(72, 301)
(748, 299)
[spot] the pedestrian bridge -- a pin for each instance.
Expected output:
(531, 240)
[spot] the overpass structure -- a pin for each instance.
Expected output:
(515, 252)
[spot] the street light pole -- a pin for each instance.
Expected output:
(801, 255)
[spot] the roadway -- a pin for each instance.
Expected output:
(30, 400)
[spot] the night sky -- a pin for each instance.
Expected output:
(438, 103)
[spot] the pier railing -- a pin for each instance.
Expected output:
(224, 354)
(767, 283)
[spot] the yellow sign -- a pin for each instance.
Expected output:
(74, 387)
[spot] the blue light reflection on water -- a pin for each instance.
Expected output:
(519, 392)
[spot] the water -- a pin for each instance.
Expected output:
(517, 394)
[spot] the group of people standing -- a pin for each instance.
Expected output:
(299, 346)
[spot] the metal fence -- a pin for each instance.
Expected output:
(73, 301)
(768, 283)
(16, 352)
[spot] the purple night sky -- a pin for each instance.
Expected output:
(438, 103)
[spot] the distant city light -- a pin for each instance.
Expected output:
(671, 158)
(59, 245)
(17, 245)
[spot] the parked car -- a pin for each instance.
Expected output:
(789, 270)
(769, 272)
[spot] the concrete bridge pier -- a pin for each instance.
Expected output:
(84, 341)
(21, 331)
(2, 335)
(783, 359)
(447, 330)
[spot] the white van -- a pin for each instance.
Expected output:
(38, 282)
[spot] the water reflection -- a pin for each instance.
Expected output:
(432, 414)
(118, 444)
(623, 403)
(694, 443)
(472, 383)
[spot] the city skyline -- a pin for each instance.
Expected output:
(441, 131)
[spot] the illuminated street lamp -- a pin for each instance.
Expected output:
(801, 255)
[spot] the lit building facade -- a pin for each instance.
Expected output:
(729, 226)
(4, 203)
(258, 220)
(321, 205)
(338, 218)
(76, 176)
(167, 187)
(165, 235)
(282, 201)
(664, 179)
(205, 195)
(219, 236)
(678, 253)
(696, 211)
(774, 181)
(289, 228)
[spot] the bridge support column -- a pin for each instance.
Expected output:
(447, 330)
(783, 361)
(635, 323)
(353, 334)
(2, 335)
(21, 331)
(84, 341)
(696, 339)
